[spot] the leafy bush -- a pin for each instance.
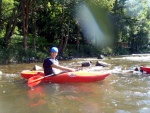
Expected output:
(19, 54)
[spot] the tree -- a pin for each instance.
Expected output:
(66, 18)
(25, 16)
(130, 21)
(8, 19)
(0, 14)
(11, 24)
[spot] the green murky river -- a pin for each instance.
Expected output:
(124, 91)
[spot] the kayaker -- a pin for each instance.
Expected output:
(51, 65)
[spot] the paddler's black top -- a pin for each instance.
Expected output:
(47, 66)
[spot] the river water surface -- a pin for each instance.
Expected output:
(124, 91)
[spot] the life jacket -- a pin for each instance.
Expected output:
(48, 68)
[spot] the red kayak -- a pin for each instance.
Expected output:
(29, 74)
(77, 76)
(146, 69)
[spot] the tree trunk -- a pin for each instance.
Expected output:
(66, 37)
(25, 9)
(35, 30)
(0, 15)
(11, 26)
(61, 35)
(35, 35)
(77, 41)
(61, 43)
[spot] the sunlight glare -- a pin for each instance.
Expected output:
(91, 29)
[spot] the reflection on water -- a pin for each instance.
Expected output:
(122, 92)
(36, 96)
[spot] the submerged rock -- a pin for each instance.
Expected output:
(86, 64)
(100, 57)
(100, 63)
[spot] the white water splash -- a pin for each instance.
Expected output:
(137, 57)
(1, 73)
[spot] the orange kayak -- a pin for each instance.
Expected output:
(77, 76)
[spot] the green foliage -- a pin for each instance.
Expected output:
(2, 33)
(6, 11)
(88, 51)
(107, 51)
(19, 54)
(17, 39)
(7, 6)
(49, 21)
(131, 24)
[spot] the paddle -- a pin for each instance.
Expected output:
(35, 80)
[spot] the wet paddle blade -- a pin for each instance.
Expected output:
(35, 80)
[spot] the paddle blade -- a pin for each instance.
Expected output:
(35, 80)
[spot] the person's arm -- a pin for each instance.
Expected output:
(62, 67)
